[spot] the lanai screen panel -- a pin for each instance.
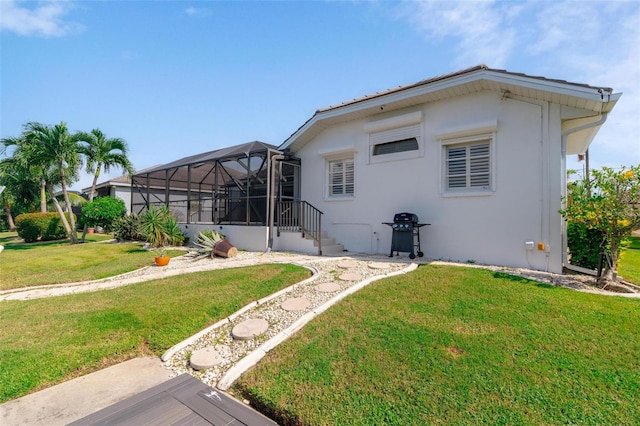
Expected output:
(223, 186)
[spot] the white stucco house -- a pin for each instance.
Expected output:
(478, 154)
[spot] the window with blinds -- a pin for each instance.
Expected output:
(341, 178)
(468, 166)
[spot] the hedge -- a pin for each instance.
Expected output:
(40, 226)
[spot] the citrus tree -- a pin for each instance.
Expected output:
(609, 202)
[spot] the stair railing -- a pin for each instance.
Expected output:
(300, 216)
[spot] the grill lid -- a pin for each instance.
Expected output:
(405, 217)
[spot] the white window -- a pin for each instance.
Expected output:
(401, 143)
(468, 165)
(341, 177)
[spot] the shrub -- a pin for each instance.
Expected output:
(103, 211)
(127, 228)
(584, 245)
(43, 226)
(160, 228)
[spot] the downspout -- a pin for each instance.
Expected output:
(272, 197)
(565, 135)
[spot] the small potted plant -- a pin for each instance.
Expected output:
(160, 228)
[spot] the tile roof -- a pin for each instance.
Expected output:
(481, 67)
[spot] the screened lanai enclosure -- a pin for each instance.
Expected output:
(232, 186)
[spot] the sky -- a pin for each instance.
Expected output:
(178, 78)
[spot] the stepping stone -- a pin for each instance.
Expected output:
(249, 329)
(296, 304)
(379, 265)
(328, 287)
(350, 277)
(205, 358)
(346, 264)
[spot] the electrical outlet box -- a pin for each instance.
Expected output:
(529, 245)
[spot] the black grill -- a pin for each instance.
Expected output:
(406, 234)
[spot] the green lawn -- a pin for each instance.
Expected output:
(629, 262)
(54, 262)
(452, 345)
(46, 341)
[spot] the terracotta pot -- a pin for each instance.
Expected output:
(224, 248)
(90, 230)
(162, 261)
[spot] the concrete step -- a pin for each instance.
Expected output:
(332, 249)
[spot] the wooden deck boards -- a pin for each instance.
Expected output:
(180, 401)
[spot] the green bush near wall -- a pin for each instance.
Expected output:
(584, 245)
(32, 227)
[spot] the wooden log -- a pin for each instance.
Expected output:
(224, 248)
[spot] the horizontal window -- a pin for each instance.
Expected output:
(402, 143)
(396, 146)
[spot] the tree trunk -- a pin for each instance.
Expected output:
(73, 236)
(92, 193)
(610, 272)
(43, 197)
(65, 223)
(7, 210)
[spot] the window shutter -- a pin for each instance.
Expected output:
(341, 177)
(468, 166)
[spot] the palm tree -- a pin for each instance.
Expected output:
(19, 188)
(20, 164)
(102, 153)
(52, 148)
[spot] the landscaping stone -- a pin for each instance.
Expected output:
(347, 264)
(205, 358)
(328, 287)
(296, 304)
(379, 265)
(350, 276)
(249, 329)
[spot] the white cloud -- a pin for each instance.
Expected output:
(481, 30)
(45, 19)
(197, 12)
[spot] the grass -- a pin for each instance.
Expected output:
(629, 262)
(54, 262)
(457, 346)
(46, 341)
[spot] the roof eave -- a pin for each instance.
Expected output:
(600, 98)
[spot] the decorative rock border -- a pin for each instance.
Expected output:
(283, 323)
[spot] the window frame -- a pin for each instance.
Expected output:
(344, 158)
(397, 134)
(467, 142)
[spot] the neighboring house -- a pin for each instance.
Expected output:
(478, 154)
(119, 187)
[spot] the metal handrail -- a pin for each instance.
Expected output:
(300, 216)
